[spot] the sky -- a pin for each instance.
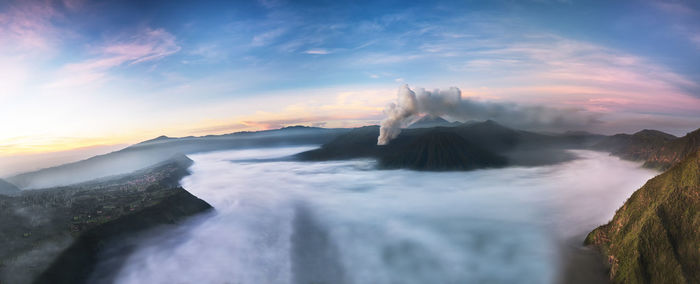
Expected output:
(80, 74)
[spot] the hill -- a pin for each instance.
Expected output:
(7, 188)
(654, 236)
(496, 144)
(638, 146)
(40, 226)
(656, 149)
(674, 151)
(151, 152)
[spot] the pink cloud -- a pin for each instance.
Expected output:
(146, 45)
(556, 70)
(28, 25)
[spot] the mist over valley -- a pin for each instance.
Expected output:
(344, 222)
(349, 142)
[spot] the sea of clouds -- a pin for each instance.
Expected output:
(282, 221)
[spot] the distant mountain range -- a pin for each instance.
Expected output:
(413, 149)
(154, 151)
(655, 236)
(652, 239)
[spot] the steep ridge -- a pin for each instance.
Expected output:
(654, 236)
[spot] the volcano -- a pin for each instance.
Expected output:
(439, 150)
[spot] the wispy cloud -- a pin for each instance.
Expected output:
(317, 51)
(28, 26)
(146, 45)
(267, 37)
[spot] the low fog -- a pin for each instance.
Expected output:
(280, 221)
(450, 104)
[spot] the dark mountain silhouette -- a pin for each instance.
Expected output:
(654, 236)
(7, 188)
(439, 150)
(157, 150)
(494, 142)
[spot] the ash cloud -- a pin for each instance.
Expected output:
(450, 104)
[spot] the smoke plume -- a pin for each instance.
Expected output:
(450, 104)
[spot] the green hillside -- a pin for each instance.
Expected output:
(655, 236)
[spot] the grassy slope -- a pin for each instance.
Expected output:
(655, 236)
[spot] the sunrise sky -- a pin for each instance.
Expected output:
(79, 73)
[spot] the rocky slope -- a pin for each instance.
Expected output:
(654, 236)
